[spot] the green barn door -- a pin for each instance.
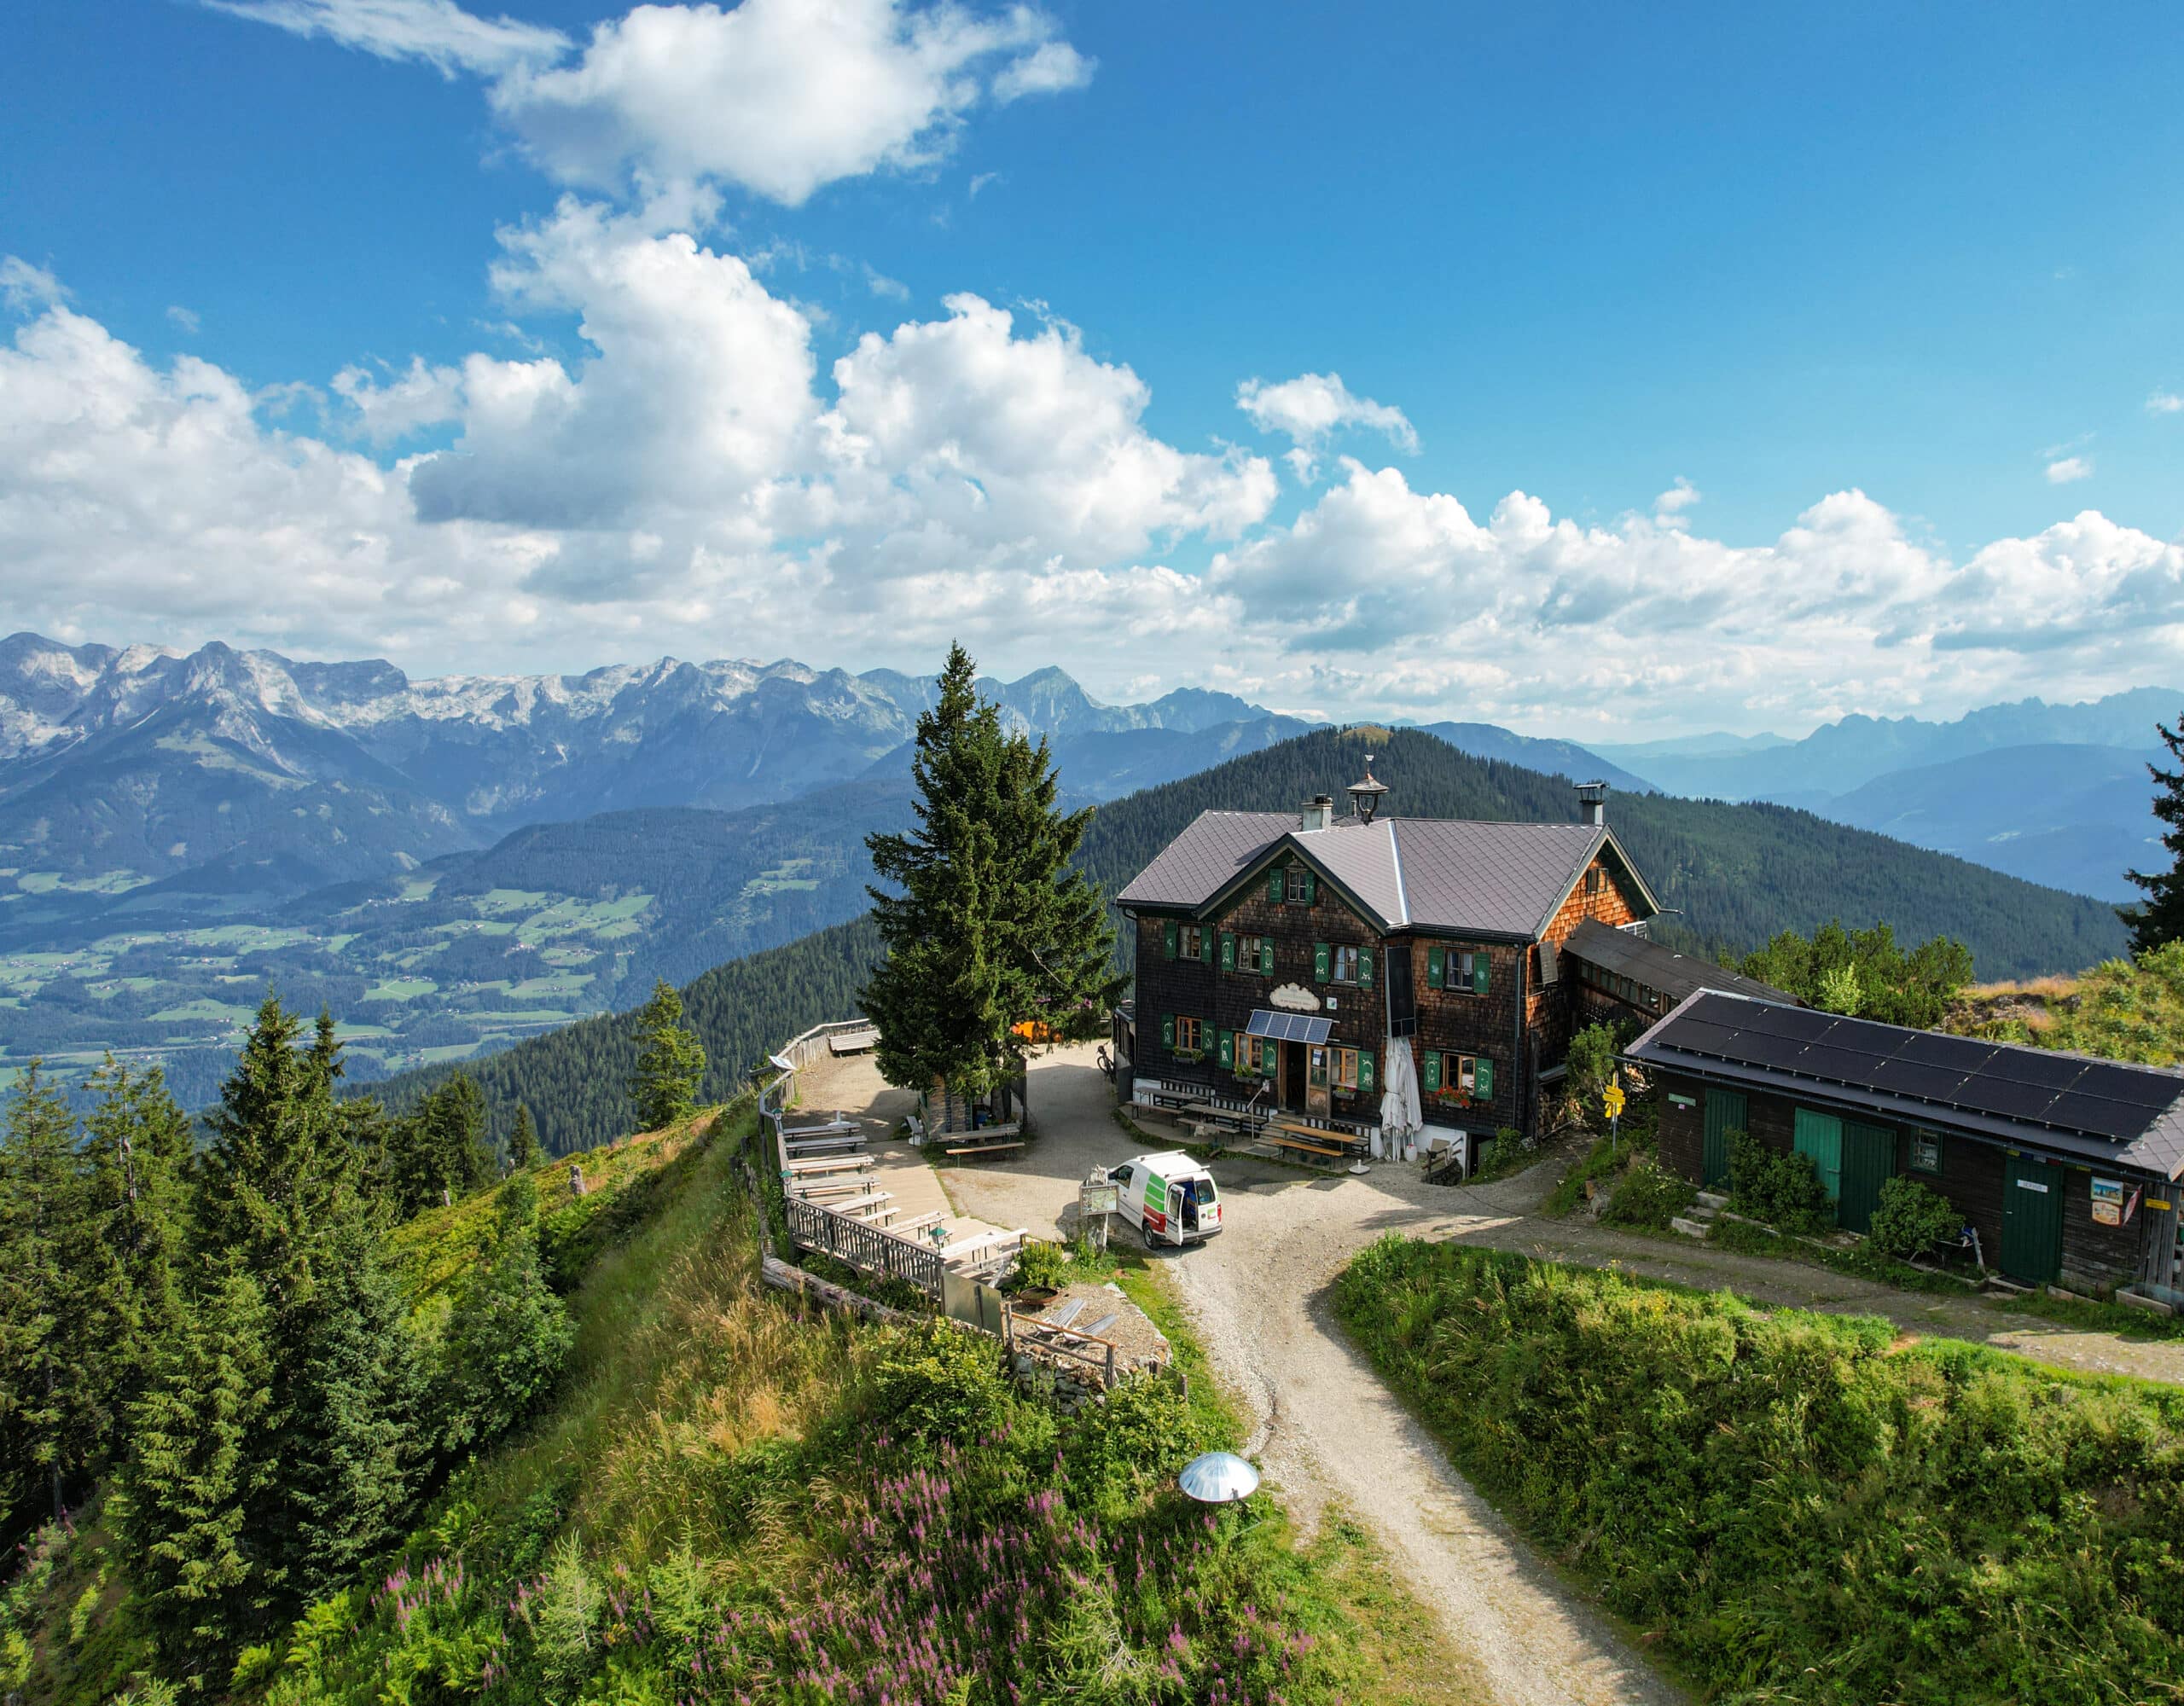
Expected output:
(2032, 1221)
(1725, 1113)
(1820, 1136)
(1868, 1163)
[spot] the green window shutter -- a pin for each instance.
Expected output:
(1319, 962)
(1168, 932)
(1228, 1049)
(1481, 966)
(1207, 945)
(1311, 889)
(1483, 1079)
(1364, 968)
(1227, 950)
(1432, 1069)
(1266, 955)
(1436, 963)
(1274, 886)
(1167, 1030)
(1364, 1069)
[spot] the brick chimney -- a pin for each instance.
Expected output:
(1592, 804)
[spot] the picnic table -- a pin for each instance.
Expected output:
(800, 1147)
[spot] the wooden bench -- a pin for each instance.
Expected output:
(829, 1128)
(820, 1165)
(987, 1148)
(918, 1223)
(1330, 1150)
(819, 1190)
(874, 1201)
(800, 1148)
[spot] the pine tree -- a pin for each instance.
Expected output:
(987, 927)
(279, 1167)
(322, 1476)
(440, 1149)
(523, 1142)
(352, 1444)
(52, 1424)
(670, 1062)
(508, 1336)
(2159, 918)
(195, 1470)
(138, 1143)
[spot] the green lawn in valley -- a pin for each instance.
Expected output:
(401, 989)
(206, 1008)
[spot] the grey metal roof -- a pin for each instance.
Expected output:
(1508, 879)
(2103, 1111)
(1410, 873)
(1216, 848)
(1674, 975)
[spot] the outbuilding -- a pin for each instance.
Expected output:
(2066, 1167)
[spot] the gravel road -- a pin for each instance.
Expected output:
(1327, 1430)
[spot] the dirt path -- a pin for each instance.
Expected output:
(1326, 1428)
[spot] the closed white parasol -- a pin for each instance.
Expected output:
(1402, 1117)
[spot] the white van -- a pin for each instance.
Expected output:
(1169, 1197)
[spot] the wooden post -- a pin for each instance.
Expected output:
(576, 1180)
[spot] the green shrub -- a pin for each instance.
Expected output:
(1911, 1220)
(1649, 1195)
(1116, 1452)
(1795, 1508)
(1780, 1187)
(1043, 1264)
(938, 1382)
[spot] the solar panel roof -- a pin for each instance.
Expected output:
(2102, 1111)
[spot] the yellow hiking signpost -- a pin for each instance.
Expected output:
(1612, 1100)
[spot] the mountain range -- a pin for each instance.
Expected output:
(223, 770)
(2057, 794)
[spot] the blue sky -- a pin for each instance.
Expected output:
(1895, 297)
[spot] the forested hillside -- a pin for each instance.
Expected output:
(1739, 873)
(575, 1080)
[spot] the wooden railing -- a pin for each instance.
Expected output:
(871, 1249)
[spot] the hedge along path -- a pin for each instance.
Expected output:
(1797, 1506)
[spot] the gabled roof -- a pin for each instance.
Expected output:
(1407, 872)
(2098, 1111)
(1674, 975)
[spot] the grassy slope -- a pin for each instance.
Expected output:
(1795, 1506)
(697, 1455)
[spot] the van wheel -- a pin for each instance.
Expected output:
(1146, 1233)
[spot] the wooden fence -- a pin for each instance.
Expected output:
(863, 1245)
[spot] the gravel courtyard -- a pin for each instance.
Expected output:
(1327, 1430)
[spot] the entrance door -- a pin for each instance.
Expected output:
(1725, 1113)
(1868, 1163)
(1292, 1076)
(1820, 1137)
(2032, 1221)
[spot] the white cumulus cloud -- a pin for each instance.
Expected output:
(780, 96)
(2065, 469)
(1311, 409)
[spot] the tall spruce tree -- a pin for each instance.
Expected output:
(439, 1149)
(2159, 918)
(197, 1470)
(137, 1144)
(670, 1061)
(319, 1477)
(986, 926)
(53, 1338)
(523, 1142)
